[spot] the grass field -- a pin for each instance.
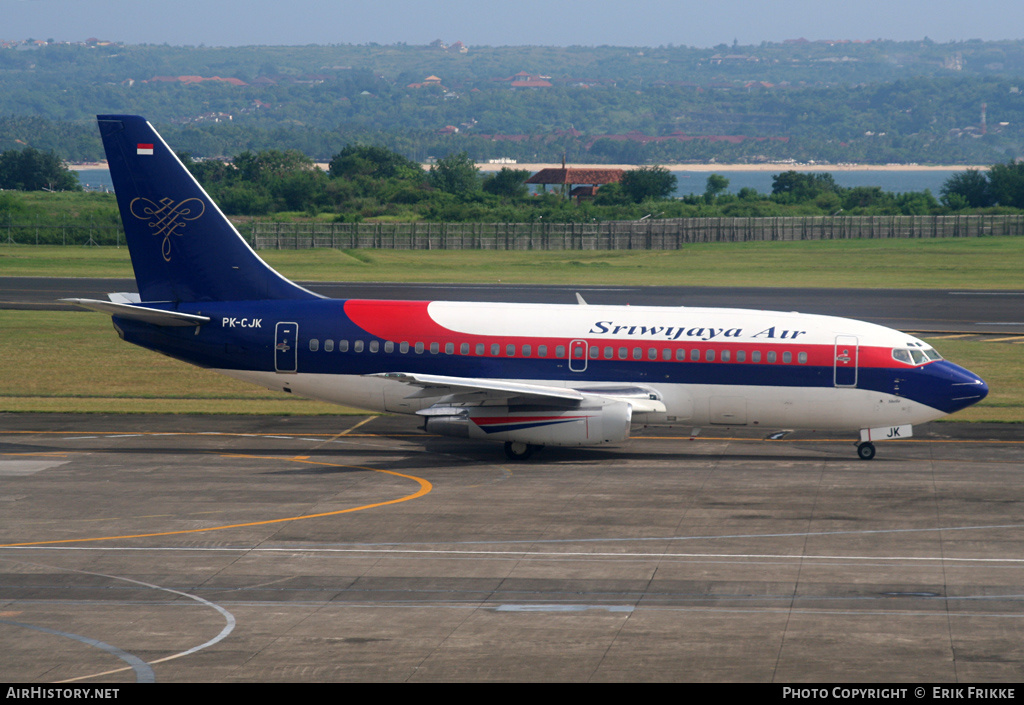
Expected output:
(74, 362)
(967, 263)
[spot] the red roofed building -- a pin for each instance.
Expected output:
(528, 80)
(589, 179)
(197, 79)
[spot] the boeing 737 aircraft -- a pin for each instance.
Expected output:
(528, 375)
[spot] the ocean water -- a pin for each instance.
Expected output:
(690, 182)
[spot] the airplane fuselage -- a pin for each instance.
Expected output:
(708, 366)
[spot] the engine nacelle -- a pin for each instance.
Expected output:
(596, 423)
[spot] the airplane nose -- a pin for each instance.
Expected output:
(965, 388)
(944, 386)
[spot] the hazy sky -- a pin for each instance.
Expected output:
(483, 22)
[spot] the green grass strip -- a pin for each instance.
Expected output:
(963, 263)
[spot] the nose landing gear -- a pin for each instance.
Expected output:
(866, 451)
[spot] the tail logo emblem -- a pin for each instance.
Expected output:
(167, 217)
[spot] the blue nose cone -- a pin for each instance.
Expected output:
(956, 387)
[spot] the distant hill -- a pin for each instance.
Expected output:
(838, 101)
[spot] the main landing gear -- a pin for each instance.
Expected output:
(866, 450)
(514, 450)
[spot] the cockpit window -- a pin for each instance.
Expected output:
(901, 355)
(915, 355)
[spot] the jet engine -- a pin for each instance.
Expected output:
(537, 425)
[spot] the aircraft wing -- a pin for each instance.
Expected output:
(155, 316)
(465, 389)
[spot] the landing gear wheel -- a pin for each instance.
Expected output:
(866, 451)
(514, 450)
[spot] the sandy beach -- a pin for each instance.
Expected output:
(774, 167)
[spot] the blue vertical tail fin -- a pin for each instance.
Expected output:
(182, 246)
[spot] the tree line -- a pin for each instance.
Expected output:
(31, 169)
(365, 182)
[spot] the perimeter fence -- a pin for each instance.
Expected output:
(663, 234)
(75, 231)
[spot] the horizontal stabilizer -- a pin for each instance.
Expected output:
(156, 316)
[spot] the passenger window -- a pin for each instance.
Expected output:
(435, 348)
(801, 358)
(527, 349)
(652, 353)
(638, 353)
(510, 350)
(357, 346)
(595, 352)
(479, 348)
(666, 354)
(328, 345)
(464, 349)
(403, 347)
(771, 356)
(695, 355)
(389, 346)
(559, 351)
(495, 349)
(419, 348)
(542, 351)
(741, 356)
(609, 352)
(709, 355)
(726, 356)
(787, 357)
(449, 348)
(374, 346)
(755, 356)
(681, 354)
(623, 353)
(314, 344)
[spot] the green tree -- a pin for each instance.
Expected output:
(456, 174)
(375, 162)
(716, 184)
(655, 182)
(971, 187)
(1006, 182)
(271, 162)
(509, 183)
(33, 170)
(798, 187)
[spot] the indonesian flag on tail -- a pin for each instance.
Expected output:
(144, 149)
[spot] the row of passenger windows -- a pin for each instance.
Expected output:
(607, 352)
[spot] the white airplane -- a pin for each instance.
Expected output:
(527, 375)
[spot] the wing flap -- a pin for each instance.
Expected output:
(472, 389)
(443, 385)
